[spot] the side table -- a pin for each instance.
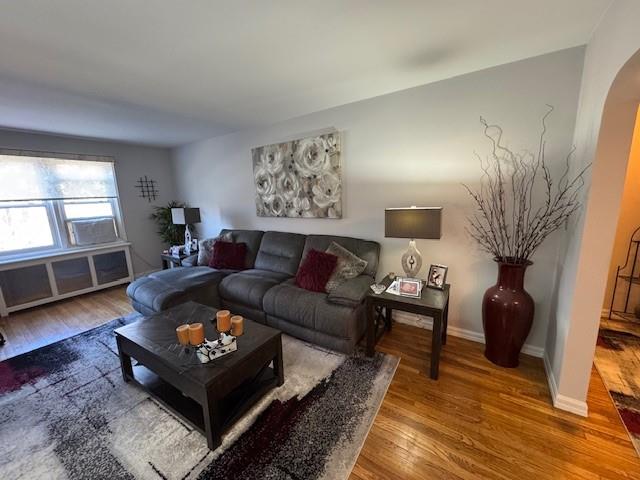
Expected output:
(433, 303)
(168, 259)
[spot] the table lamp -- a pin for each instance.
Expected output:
(412, 223)
(185, 216)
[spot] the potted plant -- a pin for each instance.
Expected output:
(519, 204)
(171, 234)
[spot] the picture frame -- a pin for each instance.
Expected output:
(437, 277)
(410, 287)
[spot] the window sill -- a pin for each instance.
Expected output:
(62, 253)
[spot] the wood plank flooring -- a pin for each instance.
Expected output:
(477, 421)
(482, 421)
(29, 329)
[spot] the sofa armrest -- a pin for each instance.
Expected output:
(190, 261)
(352, 292)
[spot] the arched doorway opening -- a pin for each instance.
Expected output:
(584, 265)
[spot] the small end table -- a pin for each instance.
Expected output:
(168, 259)
(433, 303)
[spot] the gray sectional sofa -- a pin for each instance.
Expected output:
(266, 291)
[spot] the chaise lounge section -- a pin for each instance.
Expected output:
(265, 290)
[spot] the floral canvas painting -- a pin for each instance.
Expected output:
(300, 179)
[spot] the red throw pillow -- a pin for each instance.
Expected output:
(315, 271)
(228, 255)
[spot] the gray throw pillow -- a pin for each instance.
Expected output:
(348, 266)
(205, 247)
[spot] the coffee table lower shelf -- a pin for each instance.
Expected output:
(170, 397)
(230, 408)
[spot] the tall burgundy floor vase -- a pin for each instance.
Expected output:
(507, 315)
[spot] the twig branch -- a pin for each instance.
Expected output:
(509, 223)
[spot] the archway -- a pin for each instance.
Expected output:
(571, 346)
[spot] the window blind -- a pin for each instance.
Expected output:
(28, 177)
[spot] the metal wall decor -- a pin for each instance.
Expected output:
(147, 188)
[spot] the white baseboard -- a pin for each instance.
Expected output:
(427, 323)
(563, 402)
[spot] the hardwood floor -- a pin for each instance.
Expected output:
(29, 329)
(477, 421)
(629, 324)
(482, 421)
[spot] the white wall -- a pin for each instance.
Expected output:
(131, 162)
(413, 147)
(628, 222)
(603, 136)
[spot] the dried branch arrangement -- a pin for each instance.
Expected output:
(510, 222)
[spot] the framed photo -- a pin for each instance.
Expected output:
(410, 287)
(437, 276)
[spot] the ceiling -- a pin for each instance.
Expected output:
(167, 72)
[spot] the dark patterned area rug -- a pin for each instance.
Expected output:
(618, 362)
(67, 414)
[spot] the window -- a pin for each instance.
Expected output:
(77, 209)
(25, 226)
(50, 204)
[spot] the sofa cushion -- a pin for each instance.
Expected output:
(160, 290)
(228, 255)
(315, 271)
(255, 314)
(345, 344)
(365, 249)
(184, 277)
(348, 266)
(352, 292)
(249, 287)
(256, 272)
(251, 237)
(308, 309)
(280, 252)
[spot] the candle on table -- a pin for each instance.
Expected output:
(183, 334)
(223, 320)
(237, 325)
(196, 333)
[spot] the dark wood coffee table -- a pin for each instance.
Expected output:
(211, 396)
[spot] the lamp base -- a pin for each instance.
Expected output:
(412, 260)
(187, 240)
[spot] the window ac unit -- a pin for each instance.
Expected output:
(96, 230)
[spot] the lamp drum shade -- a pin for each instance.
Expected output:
(185, 216)
(413, 222)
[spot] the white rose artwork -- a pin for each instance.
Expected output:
(300, 179)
